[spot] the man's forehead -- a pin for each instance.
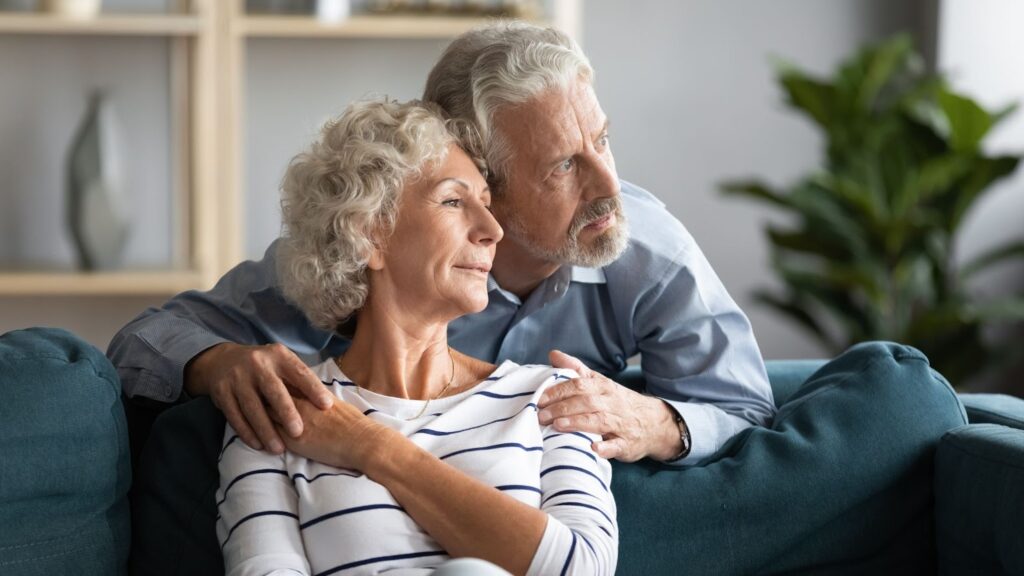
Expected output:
(556, 118)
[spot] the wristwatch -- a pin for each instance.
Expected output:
(684, 435)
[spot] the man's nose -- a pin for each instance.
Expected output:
(602, 180)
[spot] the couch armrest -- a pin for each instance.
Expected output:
(994, 409)
(979, 496)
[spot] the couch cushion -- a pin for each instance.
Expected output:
(840, 484)
(979, 501)
(64, 464)
(173, 498)
(994, 409)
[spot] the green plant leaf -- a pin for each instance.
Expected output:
(809, 96)
(968, 122)
(757, 191)
(880, 65)
(984, 172)
(992, 257)
(936, 176)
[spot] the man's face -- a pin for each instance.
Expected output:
(561, 196)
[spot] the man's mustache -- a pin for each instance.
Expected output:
(594, 211)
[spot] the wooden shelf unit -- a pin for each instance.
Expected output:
(396, 27)
(112, 25)
(122, 283)
(207, 61)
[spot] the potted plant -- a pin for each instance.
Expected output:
(870, 252)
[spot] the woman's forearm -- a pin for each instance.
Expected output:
(464, 515)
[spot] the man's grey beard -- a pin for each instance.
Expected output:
(605, 249)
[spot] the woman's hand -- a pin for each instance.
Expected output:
(340, 436)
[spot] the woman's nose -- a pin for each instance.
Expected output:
(486, 230)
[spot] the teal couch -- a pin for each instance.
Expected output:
(869, 468)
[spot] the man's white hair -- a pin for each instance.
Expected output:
(339, 199)
(499, 65)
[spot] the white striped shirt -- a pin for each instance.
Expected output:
(294, 515)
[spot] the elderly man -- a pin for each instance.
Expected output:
(592, 271)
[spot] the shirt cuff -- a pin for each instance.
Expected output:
(703, 439)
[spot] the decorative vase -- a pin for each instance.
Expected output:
(79, 9)
(95, 214)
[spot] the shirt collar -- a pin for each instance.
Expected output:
(574, 274)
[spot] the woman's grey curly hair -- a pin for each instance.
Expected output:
(339, 199)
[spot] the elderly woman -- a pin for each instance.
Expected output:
(426, 455)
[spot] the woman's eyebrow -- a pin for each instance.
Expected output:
(458, 181)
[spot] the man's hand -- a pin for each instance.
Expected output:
(244, 381)
(632, 425)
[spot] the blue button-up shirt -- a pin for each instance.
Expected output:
(660, 299)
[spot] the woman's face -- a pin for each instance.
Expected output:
(436, 263)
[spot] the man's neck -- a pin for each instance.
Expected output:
(517, 270)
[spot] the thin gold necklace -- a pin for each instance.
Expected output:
(439, 394)
(427, 403)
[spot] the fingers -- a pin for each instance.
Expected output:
(301, 379)
(571, 406)
(229, 406)
(281, 405)
(590, 386)
(560, 359)
(251, 404)
(613, 448)
(596, 423)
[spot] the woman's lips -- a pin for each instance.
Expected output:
(481, 270)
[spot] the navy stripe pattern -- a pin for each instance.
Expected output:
(289, 512)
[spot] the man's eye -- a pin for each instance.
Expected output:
(453, 202)
(603, 141)
(567, 165)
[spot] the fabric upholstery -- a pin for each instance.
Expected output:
(841, 482)
(979, 501)
(64, 466)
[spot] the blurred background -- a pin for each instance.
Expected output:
(201, 105)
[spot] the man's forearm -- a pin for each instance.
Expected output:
(152, 352)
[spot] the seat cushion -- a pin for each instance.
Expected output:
(841, 483)
(173, 499)
(979, 500)
(64, 463)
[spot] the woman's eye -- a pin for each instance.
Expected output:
(453, 202)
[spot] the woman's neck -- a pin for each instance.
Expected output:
(399, 359)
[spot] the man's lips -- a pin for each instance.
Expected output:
(601, 223)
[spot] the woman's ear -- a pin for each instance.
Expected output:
(376, 259)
